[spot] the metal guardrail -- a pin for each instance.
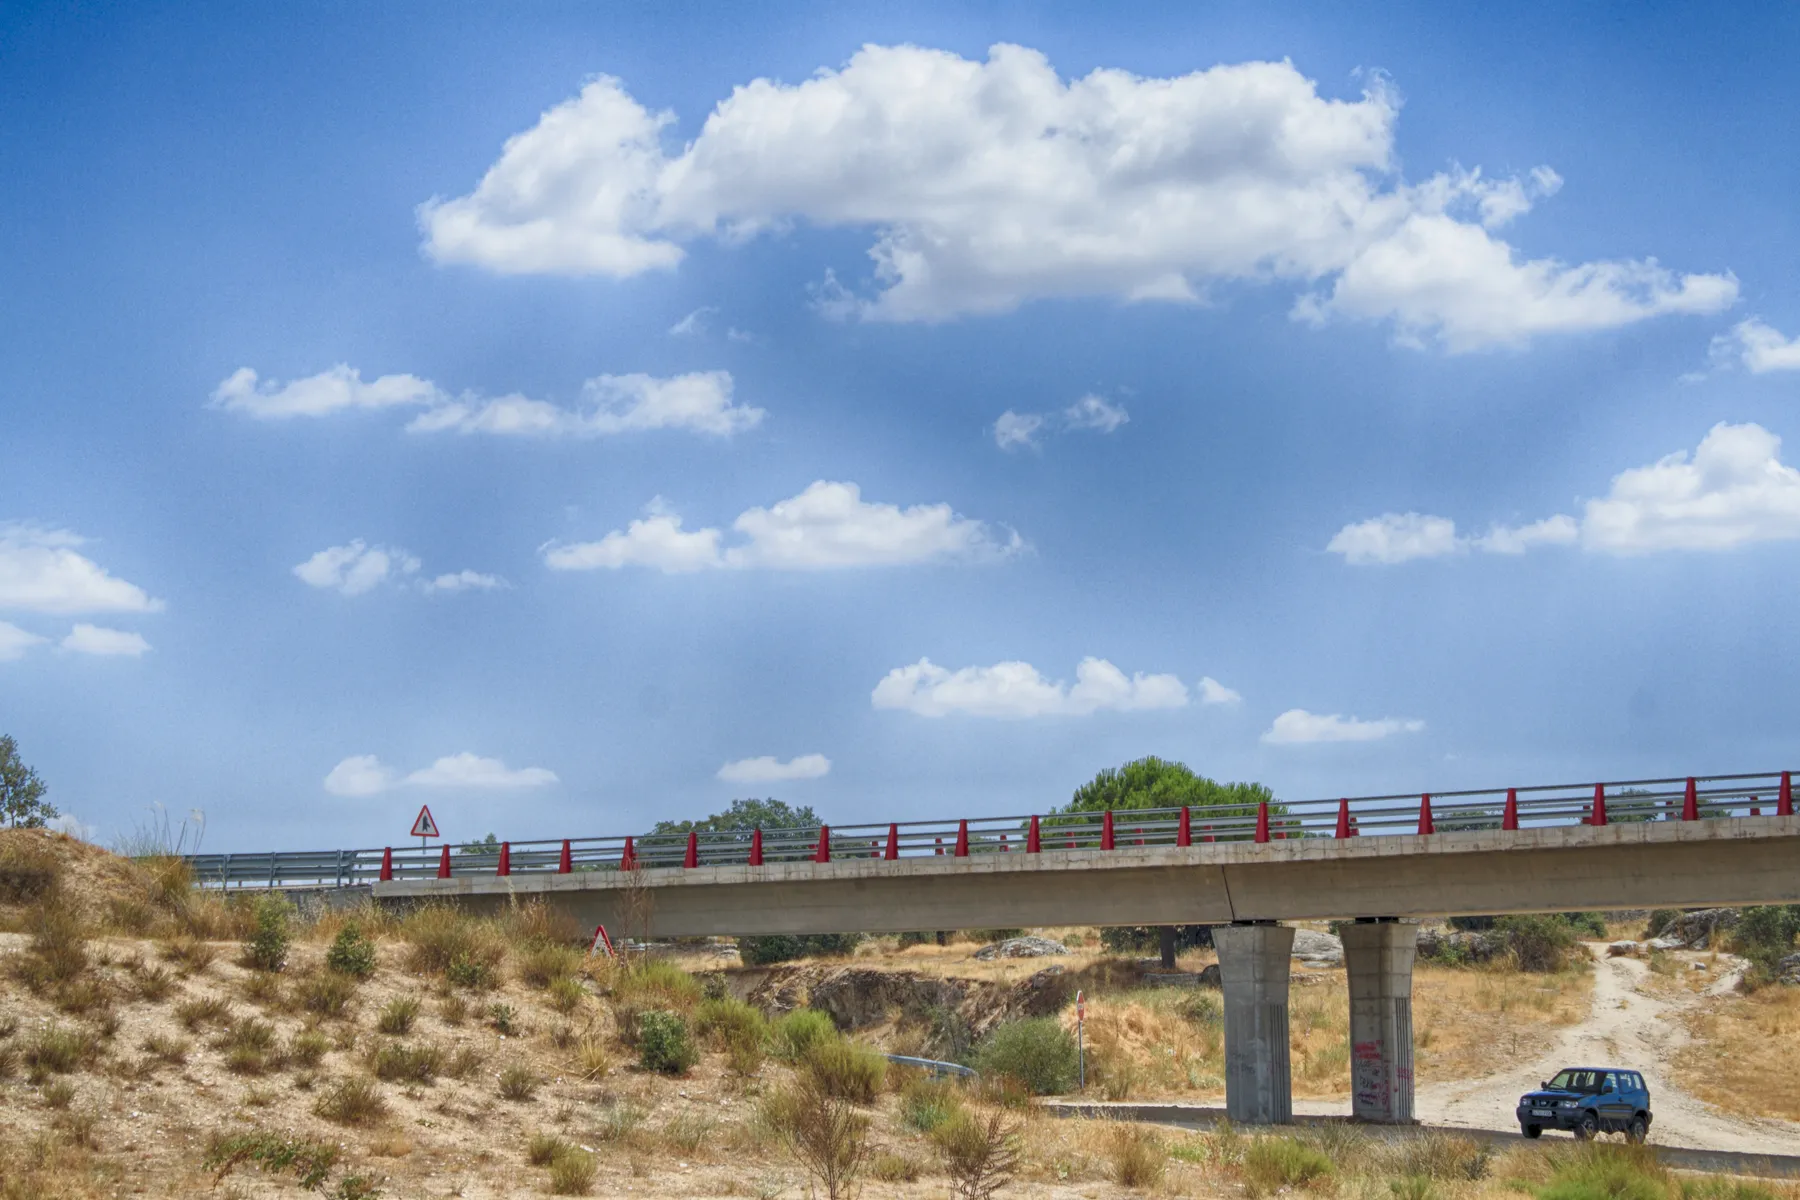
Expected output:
(1693, 798)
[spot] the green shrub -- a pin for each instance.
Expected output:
(572, 1174)
(665, 1043)
(267, 948)
(927, 1103)
(309, 1162)
(396, 1061)
(654, 983)
(565, 993)
(1038, 1052)
(443, 937)
(1139, 1157)
(1538, 942)
(846, 1070)
(60, 1050)
(1765, 935)
(519, 1082)
(794, 1034)
(545, 1148)
(307, 1049)
(726, 1020)
(758, 951)
(397, 1015)
(351, 953)
(329, 994)
(1599, 1172)
(541, 964)
(1272, 1163)
(1660, 919)
(352, 1102)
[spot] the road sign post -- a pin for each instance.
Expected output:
(424, 827)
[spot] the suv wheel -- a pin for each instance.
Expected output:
(1587, 1126)
(1532, 1131)
(1639, 1129)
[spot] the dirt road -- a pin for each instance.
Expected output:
(1630, 1028)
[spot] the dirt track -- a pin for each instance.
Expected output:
(1628, 1027)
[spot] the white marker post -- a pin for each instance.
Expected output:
(1080, 1039)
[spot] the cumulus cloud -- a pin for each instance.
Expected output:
(14, 642)
(367, 775)
(1395, 538)
(464, 581)
(1214, 692)
(1296, 727)
(700, 401)
(98, 640)
(1757, 347)
(41, 571)
(827, 526)
(1094, 414)
(769, 769)
(611, 404)
(1016, 689)
(354, 569)
(1731, 491)
(340, 388)
(987, 184)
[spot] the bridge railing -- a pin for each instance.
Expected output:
(1696, 798)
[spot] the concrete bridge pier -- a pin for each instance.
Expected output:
(1253, 971)
(1378, 957)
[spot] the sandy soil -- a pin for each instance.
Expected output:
(1631, 1026)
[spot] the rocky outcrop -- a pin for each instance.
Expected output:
(1316, 949)
(1788, 970)
(1457, 946)
(1699, 930)
(1022, 947)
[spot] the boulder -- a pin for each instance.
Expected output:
(1209, 976)
(1664, 943)
(1788, 970)
(1460, 946)
(1317, 949)
(1622, 950)
(1022, 947)
(1699, 930)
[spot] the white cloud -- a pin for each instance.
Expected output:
(1758, 347)
(70, 825)
(1016, 690)
(700, 401)
(1214, 692)
(367, 775)
(360, 775)
(1733, 490)
(14, 642)
(769, 769)
(826, 526)
(989, 184)
(465, 581)
(1014, 429)
(40, 571)
(694, 323)
(356, 568)
(611, 404)
(467, 770)
(330, 391)
(1560, 530)
(1395, 538)
(1296, 727)
(98, 640)
(1093, 412)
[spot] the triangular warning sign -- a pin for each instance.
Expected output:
(425, 827)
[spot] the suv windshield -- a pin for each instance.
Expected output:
(1577, 1081)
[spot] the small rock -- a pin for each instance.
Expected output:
(1029, 946)
(1699, 966)
(1788, 970)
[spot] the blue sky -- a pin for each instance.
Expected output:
(1316, 374)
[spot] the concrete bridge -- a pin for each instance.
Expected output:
(1377, 861)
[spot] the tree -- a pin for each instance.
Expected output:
(22, 803)
(744, 816)
(1153, 782)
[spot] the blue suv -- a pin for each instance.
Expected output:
(1587, 1101)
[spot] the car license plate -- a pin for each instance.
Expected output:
(1540, 1112)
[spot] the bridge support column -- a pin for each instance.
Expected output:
(1253, 970)
(1378, 957)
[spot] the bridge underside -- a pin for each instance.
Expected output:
(1747, 860)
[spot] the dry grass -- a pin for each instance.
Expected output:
(1745, 1056)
